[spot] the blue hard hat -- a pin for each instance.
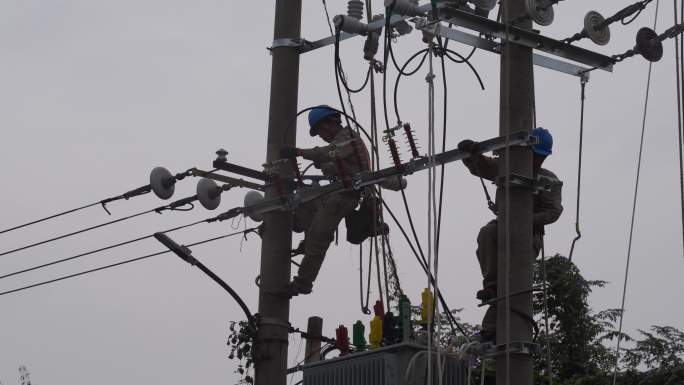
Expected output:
(319, 113)
(544, 141)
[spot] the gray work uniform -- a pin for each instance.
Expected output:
(320, 218)
(547, 209)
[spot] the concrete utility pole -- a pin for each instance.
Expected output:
(516, 114)
(272, 338)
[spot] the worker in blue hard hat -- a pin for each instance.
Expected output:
(547, 209)
(345, 156)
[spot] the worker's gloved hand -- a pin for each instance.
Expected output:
(288, 152)
(469, 146)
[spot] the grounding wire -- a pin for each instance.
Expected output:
(579, 169)
(83, 230)
(123, 262)
(636, 194)
(97, 250)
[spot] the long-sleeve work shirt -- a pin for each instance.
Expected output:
(547, 207)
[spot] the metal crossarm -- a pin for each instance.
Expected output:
(234, 168)
(376, 25)
(371, 178)
(528, 38)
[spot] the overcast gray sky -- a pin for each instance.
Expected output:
(94, 94)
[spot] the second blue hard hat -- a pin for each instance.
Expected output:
(319, 113)
(544, 145)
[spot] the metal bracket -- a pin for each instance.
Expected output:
(514, 347)
(226, 179)
(541, 183)
(300, 44)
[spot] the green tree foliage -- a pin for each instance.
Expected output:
(582, 340)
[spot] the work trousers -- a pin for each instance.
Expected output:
(320, 219)
(487, 255)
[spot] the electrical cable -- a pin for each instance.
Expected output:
(467, 62)
(422, 262)
(49, 217)
(344, 80)
(172, 206)
(636, 193)
(579, 170)
(431, 209)
(96, 251)
(128, 195)
(123, 262)
(401, 71)
(678, 60)
(337, 75)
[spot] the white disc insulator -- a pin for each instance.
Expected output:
(485, 5)
(162, 182)
(208, 194)
(540, 12)
(601, 36)
(252, 198)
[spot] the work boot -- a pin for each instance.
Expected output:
(297, 287)
(486, 295)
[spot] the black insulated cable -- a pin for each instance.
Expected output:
(177, 205)
(401, 72)
(123, 262)
(423, 264)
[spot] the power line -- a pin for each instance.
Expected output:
(128, 195)
(636, 194)
(172, 206)
(253, 229)
(97, 250)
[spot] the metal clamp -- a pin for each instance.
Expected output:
(514, 347)
(297, 43)
(274, 322)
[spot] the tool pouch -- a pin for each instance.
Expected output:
(365, 222)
